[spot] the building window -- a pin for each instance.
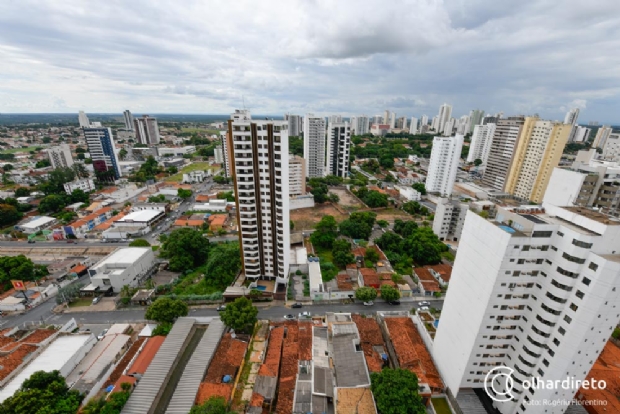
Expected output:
(593, 266)
(559, 233)
(579, 243)
(586, 281)
(568, 319)
(542, 234)
(579, 294)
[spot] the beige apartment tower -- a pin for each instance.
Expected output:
(538, 151)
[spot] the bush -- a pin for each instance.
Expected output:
(162, 329)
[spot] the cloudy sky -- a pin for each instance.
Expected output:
(298, 56)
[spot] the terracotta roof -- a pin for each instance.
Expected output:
(344, 282)
(143, 360)
(369, 276)
(370, 336)
(108, 223)
(359, 251)
(606, 368)
(78, 269)
(431, 285)
(209, 389)
(218, 219)
(190, 223)
(121, 380)
(355, 401)
(444, 270)
(424, 274)
(202, 198)
(271, 363)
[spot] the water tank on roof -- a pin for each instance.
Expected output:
(226, 379)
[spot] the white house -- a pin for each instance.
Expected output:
(125, 266)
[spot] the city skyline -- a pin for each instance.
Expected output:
(495, 58)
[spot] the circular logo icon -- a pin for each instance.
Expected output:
(498, 384)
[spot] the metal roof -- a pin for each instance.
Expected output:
(149, 388)
(185, 393)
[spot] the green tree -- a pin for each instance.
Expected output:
(9, 215)
(396, 392)
(214, 405)
(52, 203)
(291, 225)
(172, 170)
(319, 192)
(22, 192)
(389, 241)
(166, 310)
(223, 265)
(366, 294)
(420, 188)
(325, 233)
(386, 162)
(240, 315)
(355, 229)
(477, 162)
(42, 163)
(80, 170)
(186, 249)
(56, 181)
(383, 223)
(341, 253)
(405, 228)
(375, 199)
(183, 193)
(43, 393)
(79, 196)
(139, 243)
(122, 153)
(389, 293)
(372, 255)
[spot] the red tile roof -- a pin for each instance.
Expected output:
(145, 357)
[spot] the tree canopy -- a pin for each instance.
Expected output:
(139, 243)
(214, 405)
(186, 249)
(341, 253)
(166, 310)
(366, 294)
(420, 188)
(43, 393)
(182, 193)
(396, 392)
(358, 225)
(419, 244)
(240, 315)
(389, 293)
(223, 264)
(326, 232)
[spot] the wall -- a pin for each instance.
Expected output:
(301, 202)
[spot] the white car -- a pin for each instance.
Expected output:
(369, 303)
(305, 315)
(96, 300)
(423, 308)
(425, 303)
(102, 334)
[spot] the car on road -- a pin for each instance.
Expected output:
(423, 308)
(296, 305)
(221, 308)
(31, 241)
(96, 300)
(394, 302)
(102, 334)
(369, 303)
(289, 317)
(305, 315)
(425, 303)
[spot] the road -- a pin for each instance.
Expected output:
(43, 313)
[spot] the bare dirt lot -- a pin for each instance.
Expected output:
(347, 200)
(390, 214)
(306, 218)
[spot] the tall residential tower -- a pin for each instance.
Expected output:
(443, 164)
(314, 145)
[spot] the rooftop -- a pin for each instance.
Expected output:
(141, 216)
(349, 364)
(355, 401)
(606, 368)
(144, 358)
(37, 222)
(594, 215)
(124, 255)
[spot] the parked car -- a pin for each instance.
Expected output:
(31, 241)
(96, 300)
(220, 308)
(425, 303)
(102, 334)
(289, 317)
(305, 315)
(296, 305)
(423, 308)
(369, 303)
(394, 302)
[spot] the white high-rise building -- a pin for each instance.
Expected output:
(445, 113)
(147, 131)
(102, 150)
(443, 164)
(462, 126)
(393, 120)
(449, 219)
(218, 153)
(448, 127)
(611, 150)
(535, 291)
(338, 149)
(83, 120)
(499, 161)
(129, 120)
(295, 125)
(360, 125)
(413, 127)
(435, 123)
(386, 117)
(296, 175)
(423, 121)
(579, 134)
(259, 158)
(225, 153)
(377, 119)
(601, 136)
(571, 116)
(480, 145)
(475, 118)
(314, 145)
(334, 118)
(60, 156)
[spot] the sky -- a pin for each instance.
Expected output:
(312, 56)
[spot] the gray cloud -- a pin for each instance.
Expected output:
(299, 56)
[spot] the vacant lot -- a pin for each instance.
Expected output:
(347, 200)
(16, 150)
(390, 214)
(306, 218)
(196, 166)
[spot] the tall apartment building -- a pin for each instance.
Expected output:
(296, 176)
(295, 125)
(335, 118)
(360, 125)
(401, 123)
(443, 164)
(386, 117)
(448, 127)
(377, 119)
(445, 113)
(129, 120)
(338, 149)
(579, 134)
(504, 142)
(601, 137)
(588, 182)
(535, 291)
(480, 145)
(147, 131)
(475, 118)
(83, 120)
(259, 160)
(393, 120)
(571, 116)
(60, 156)
(449, 219)
(537, 153)
(224, 142)
(218, 154)
(462, 126)
(435, 123)
(611, 149)
(423, 121)
(413, 126)
(102, 150)
(314, 145)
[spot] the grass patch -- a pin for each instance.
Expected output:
(448, 256)
(81, 302)
(155, 248)
(196, 166)
(194, 284)
(328, 269)
(441, 406)
(324, 255)
(16, 150)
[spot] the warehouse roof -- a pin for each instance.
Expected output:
(125, 255)
(141, 216)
